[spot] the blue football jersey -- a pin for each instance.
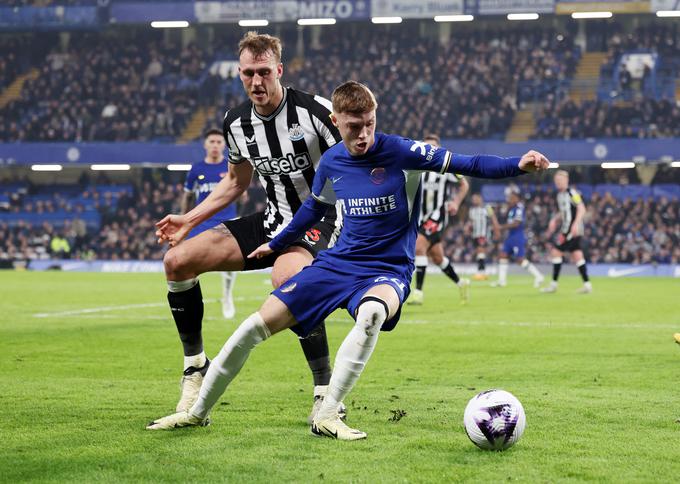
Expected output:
(379, 194)
(201, 180)
(516, 214)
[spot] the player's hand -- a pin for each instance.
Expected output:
(573, 233)
(172, 229)
(533, 161)
(262, 251)
(561, 239)
(452, 207)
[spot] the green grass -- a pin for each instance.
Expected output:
(597, 374)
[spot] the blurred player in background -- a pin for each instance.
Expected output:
(571, 212)
(434, 217)
(515, 243)
(480, 216)
(280, 133)
(201, 180)
(368, 271)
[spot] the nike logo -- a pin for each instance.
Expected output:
(250, 141)
(331, 434)
(335, 180)
(624, 272)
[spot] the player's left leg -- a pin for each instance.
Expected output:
(314, 345)
(436, 255)
(228, 309)
(579, 260)
(527, 265)
(377, 305)
(272, 318)
(422, 245)
(556, 256)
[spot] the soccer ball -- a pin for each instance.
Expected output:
(494, 420)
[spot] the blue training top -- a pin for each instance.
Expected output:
(516, 214)
(379, 193)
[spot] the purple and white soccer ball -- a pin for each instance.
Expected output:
(494, 420)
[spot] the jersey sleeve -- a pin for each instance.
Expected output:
(320, 112)
(576, 198)
(190, 182)
(322, 187)
(417, 155)
(517, 215)
(234, 153)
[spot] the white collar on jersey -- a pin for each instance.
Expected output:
(278, 109)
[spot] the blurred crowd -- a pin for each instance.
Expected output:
(642, 118)
(107, 89)
(140, 86)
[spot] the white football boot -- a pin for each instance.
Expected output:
(176, 421)
(550, 288)
(586, 289)
(336, 429)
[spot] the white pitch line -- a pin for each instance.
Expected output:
(125, 307)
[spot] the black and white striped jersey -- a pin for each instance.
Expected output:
(437, 190)
(567, 202)
(480, 216)
(284, 149)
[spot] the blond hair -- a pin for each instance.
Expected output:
(563, 173)
(354, 98)
(260, 44)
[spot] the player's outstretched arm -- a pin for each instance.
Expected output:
(307, 215)
(174, 228)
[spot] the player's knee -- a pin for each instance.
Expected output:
(176, 264)
(280, 278)
(437, 259)
(371, 314)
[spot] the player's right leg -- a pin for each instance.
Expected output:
(436, 254)
(422, 246)
(503, 264)
(272, 318)
(377, 305)
(212, 250)
(228, 280)
(556, 256)
(579, 260)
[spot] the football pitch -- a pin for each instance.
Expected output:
(89, 359)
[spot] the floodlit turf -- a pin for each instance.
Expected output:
(597, 374)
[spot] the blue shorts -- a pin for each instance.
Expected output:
(514, 246)
(316, 291)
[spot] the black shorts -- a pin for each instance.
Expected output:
(249, 234)
(432, 230)
(571, 245)
(480, 242)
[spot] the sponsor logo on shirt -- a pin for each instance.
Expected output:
(284, 165)
(369, 206)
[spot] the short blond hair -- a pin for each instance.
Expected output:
(353, 97)
(563, 173)
(260, 45)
